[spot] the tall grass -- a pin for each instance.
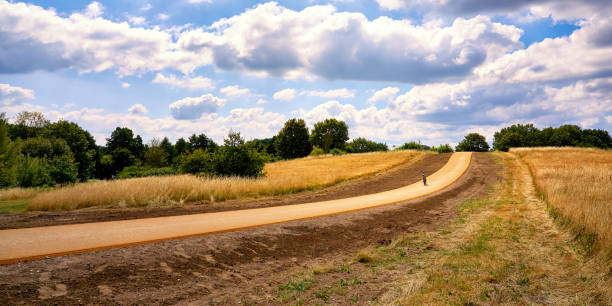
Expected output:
(577, 184)
(281, 178)
(19, 193)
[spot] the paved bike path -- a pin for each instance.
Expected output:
(39, 242)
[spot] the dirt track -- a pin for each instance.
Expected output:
(227, 268)
(394, 178)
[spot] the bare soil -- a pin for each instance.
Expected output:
(394, 178)
(235, 267)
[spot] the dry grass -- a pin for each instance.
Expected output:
(19, 193)
(281, 178)
(577, 185)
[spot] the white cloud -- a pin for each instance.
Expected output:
(284, 95)
(199, 1)
(136, 20)
(586, 53)
(261, 101)
(146, 7)
(125, 85)
(162, 16)
(94, 9)
(138, 109)
(330, 94)
(318, 41)
(194, 107)
(34, 38)
(11, 95)
(386, 93)
(234, 91)
(392, 4)
(184, 82)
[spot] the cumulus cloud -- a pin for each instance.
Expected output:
(11, 95)
(586, 53)
(386, 93)
(138, 109)
(330, 94)
(234, 91)
(285, 94)
(125, 85)
(194, 107)
(261, 101)
(35, 38)
(146, 7)
(193, 83)
(318, 41)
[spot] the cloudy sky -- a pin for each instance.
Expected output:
(394, 70)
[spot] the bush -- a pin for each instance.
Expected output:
(413, 145)
(33, 171)
(337, 151)
(362, 145)
(140, 171)
(63, 170)
(445, 148)
(196, 162)
(316, 151)
(237, 160)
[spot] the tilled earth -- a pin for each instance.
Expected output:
(247, 265)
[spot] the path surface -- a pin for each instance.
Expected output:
(31, 243)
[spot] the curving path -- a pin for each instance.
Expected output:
(33, 243)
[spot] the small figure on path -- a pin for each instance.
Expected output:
(424, 179)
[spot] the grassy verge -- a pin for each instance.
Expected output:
(281, 178)
(502, 249)
(8, 207)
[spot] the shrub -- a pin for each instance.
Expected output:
(337, 151)
(63, 170)
(362, 145)
(140, 171)
(33, 171)
(413, 145)
(237, 160)
(445, 148)
(196, 162)
(316, 151)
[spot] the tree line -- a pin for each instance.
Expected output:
(37, 152)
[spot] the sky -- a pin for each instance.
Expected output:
(393, 70)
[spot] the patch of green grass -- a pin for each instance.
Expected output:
(8, 207)
(292, 289)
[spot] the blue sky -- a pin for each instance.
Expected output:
(394, 70)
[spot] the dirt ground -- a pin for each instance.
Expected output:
(234, 267)
(394, 178)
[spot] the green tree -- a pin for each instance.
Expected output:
(362, 145)
(81, 143)
(292, 140)
(517, 135)
(566, 135)
(181, 146)
(27, 125)
(329, 134)
(202, 142)
(167, 146)
(198, 161)
(33, 171)
(473, 142)
(445, 148)
(9, 152)
(235, 158)
(156, 156)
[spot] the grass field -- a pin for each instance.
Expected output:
(281, 178)
(577, 185)
(503, 249)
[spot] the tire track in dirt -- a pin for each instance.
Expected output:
(225, 268)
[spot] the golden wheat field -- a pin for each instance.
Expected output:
(577, 183)
(281, 178)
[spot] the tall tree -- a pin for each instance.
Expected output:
(329, 134)
(202, 142)
(181, 146)
(473, 142)
(81, 143)
(28, 124)
(293, 140)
